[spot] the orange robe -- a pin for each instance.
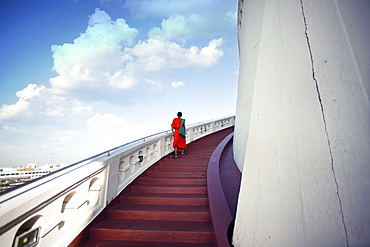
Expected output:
(178, 139)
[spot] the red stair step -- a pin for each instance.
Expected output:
(186, 189)
(177, 174)
(117, 243)
(186, 158)
(184, 164)
(173, 181)
(165, 199)
(160, 212)
(179, 169)
(153, 231)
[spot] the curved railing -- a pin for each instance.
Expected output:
(52, 210)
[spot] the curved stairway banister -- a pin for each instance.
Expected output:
(220, 211)
(55, 208)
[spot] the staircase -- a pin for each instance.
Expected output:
(165, 206)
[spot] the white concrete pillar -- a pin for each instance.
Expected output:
(302, 135)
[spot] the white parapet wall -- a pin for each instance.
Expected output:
(302, 131)
(54, 209)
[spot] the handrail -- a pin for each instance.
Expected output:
(43, 204)
(103, 153)
(79, 162)
(220, 211)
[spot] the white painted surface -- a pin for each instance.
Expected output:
(302, 134)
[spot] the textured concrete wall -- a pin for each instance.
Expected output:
(302, 135)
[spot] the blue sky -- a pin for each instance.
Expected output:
(78, 77)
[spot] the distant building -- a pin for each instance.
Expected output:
(10, 176)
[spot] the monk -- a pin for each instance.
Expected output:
(178, 131)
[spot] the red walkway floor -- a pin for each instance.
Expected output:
(165, 206)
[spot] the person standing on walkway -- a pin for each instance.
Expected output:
(178, 131)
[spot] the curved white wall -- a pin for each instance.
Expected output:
(302, 132)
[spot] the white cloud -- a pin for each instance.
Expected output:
(179, 27)
(11, 148)
(186, 19)
(105, 122)
(24, 99)
(25, 95)
(177, 84)
(14, 130)
(158, 86)
(155, 55)
(209, 55)
(232, 16)
(9, 111)
(36, 102)
(106, 131)
(61, 138)
(95, 59)
(105, 57)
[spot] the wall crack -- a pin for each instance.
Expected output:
(324, 121)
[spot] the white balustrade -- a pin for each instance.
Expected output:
(54, 209)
